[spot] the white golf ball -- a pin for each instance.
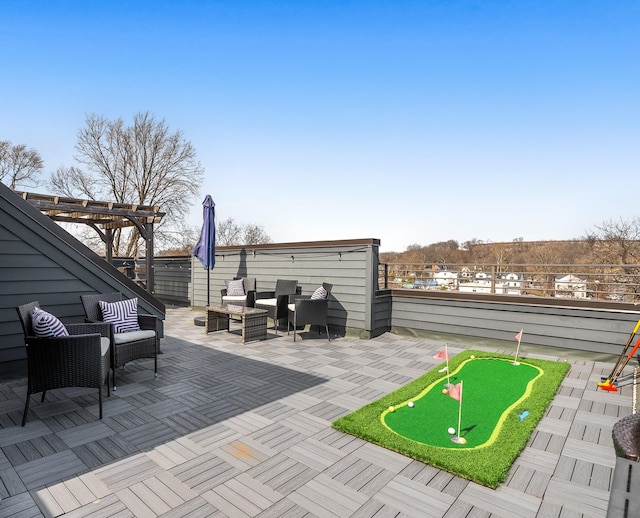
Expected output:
(410, 404)
(451, 431)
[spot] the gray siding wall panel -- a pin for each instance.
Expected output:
(382, 314)
(172, 279)
(602, 331)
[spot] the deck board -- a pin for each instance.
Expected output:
(234, 430)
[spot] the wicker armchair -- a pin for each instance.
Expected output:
(626, 437)
(303, 310)
(129, 346)
(78, 360)
(248, 299)
(275, 302)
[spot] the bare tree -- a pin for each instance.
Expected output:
(618, 243)
(231, 233)
(73, 182)
(142, 164)
(254, 235)
(19, 166)
(228, 232)
(180, 242)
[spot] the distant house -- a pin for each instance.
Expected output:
(506, 284)
(481, 283)
(570, 286)
(512, 283)
(483, 278)
(474, 287)
(447, 278)
(465, 272)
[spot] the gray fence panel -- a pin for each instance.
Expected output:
(602, 331)
(172, 279)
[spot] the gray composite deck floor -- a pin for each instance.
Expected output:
(244, 430)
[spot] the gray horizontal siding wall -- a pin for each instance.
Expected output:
(172, 280)
(350, 266)
(382, 308)
(601, 330)
(41, 261)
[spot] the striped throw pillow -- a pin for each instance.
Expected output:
(122, 314)
(319, 294)
(46, 325)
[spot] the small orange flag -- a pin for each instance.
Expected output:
(455, 391)
(519, 336)
(442, 355)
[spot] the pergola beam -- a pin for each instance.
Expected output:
(103, 217)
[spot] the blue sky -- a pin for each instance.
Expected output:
(407, 121)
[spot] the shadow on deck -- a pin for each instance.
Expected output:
(244, 430)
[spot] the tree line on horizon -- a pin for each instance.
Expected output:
(614, 242)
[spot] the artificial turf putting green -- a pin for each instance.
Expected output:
(501, 405)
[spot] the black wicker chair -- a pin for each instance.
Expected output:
(626, 437)
(79, 360)
(275, 302)
(249, 298)
(303, 310)
(125, 347)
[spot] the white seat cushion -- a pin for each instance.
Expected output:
(266, 302)
(133, 336)
(231, 299)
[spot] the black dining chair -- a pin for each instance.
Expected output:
(310, 309)
(275, 302)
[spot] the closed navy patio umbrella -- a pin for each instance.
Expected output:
(205, 248)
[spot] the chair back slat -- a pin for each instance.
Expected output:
(24, 312)
(285, 287)
(249, 284)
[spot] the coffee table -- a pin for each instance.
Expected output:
(254, 321)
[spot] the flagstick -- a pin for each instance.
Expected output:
(458, 439)
(446, 353)
(460, 408)
(515, 360)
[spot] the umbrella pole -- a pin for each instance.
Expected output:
(208, 284)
